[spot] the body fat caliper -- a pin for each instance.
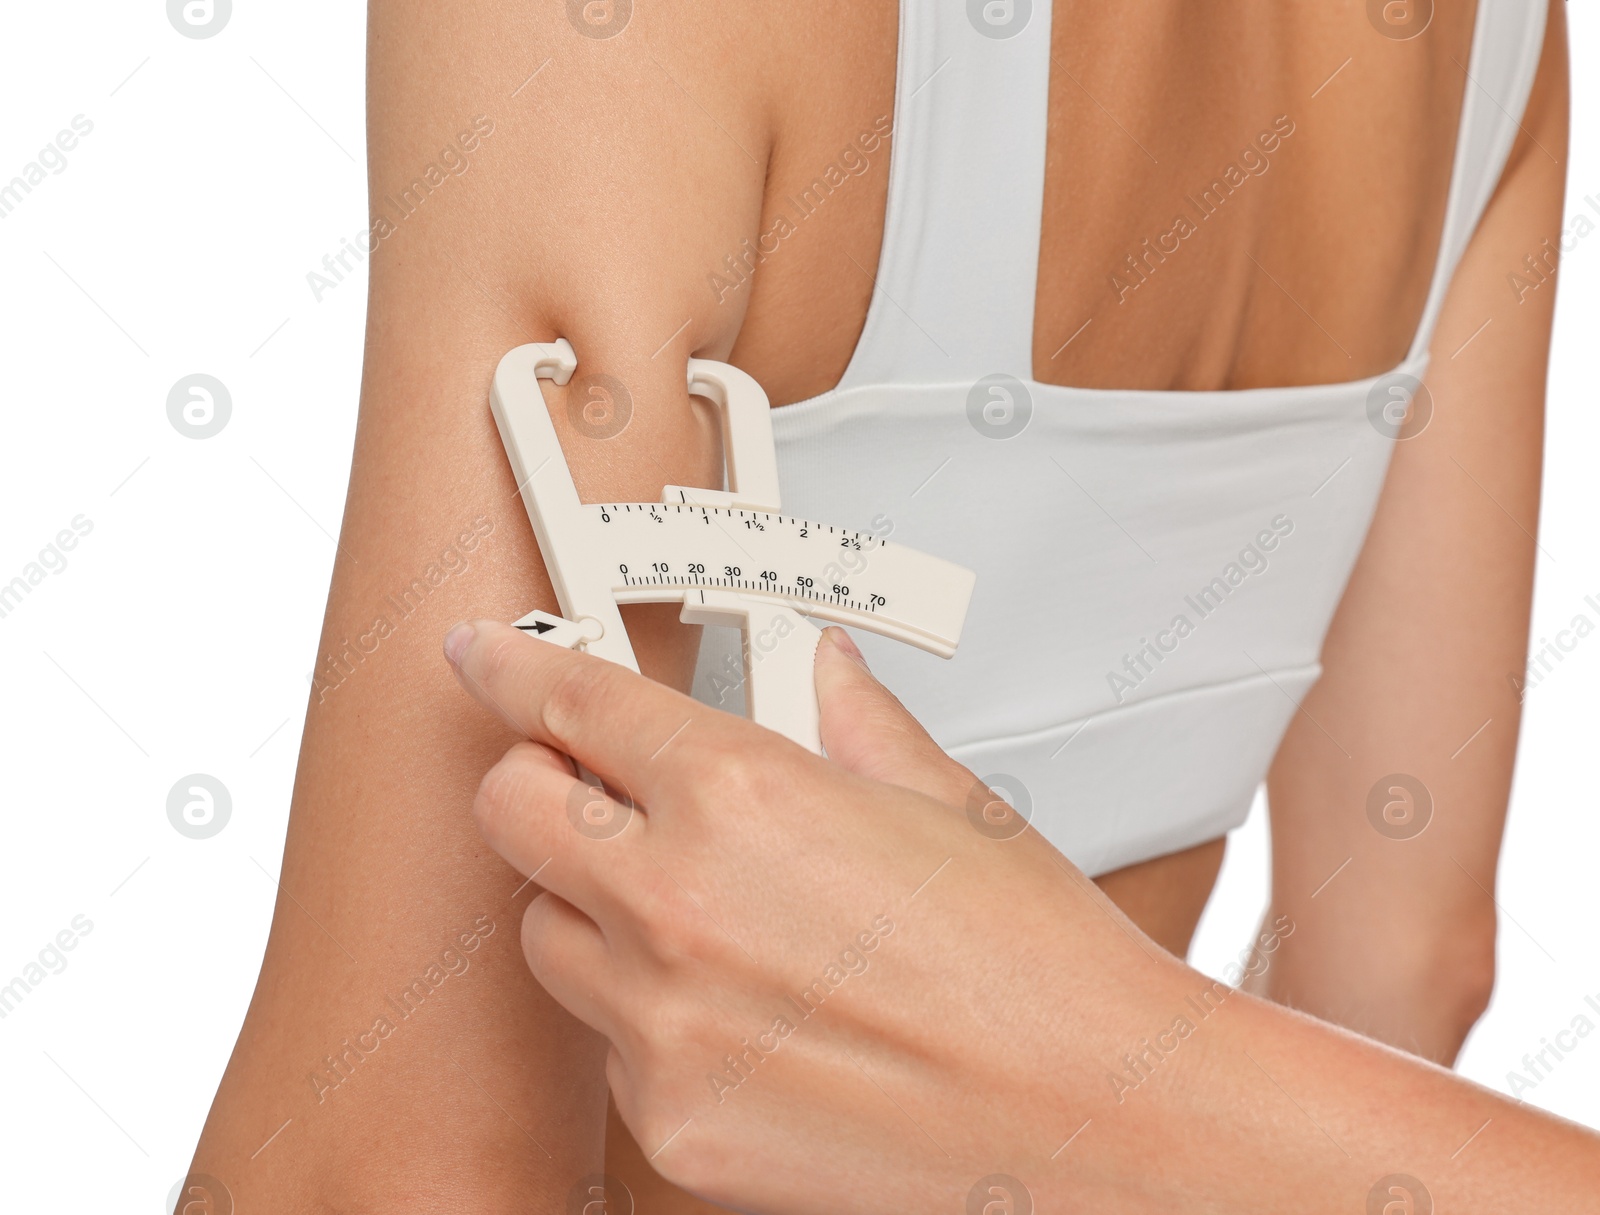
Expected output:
(732, 557)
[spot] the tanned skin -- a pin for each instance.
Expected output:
(611, 178)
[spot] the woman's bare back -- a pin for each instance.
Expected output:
(1235, 197)
(626, 179)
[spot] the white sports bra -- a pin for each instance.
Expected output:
(1156, 570)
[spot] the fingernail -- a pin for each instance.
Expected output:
(843, 641)
(457, 640)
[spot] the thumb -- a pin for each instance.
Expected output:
(868, 731)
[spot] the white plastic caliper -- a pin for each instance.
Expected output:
(729, 556)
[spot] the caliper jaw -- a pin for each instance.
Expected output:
(779, 642)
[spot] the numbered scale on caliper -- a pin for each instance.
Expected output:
(730, 556)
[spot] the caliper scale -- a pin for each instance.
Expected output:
(731, 557)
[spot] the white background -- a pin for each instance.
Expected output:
(178, 638)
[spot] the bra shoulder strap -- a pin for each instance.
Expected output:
(953, 295)
(1506, 45)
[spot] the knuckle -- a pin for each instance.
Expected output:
(653, 1125)
(688, 1163)
(573, 695)
(659, 1108)
(656, 1090)
(537, 921)
(499, 664)
(661, 924)
(741, 774)
(506, 789)
(661, 929)
(488, 801)
(677, 934)
(674, 1029)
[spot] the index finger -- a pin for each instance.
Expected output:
(634, 731)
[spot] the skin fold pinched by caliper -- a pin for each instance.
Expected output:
(730, 556)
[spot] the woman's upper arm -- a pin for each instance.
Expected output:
(596, 209)
(1420, 662)
(528, 181)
